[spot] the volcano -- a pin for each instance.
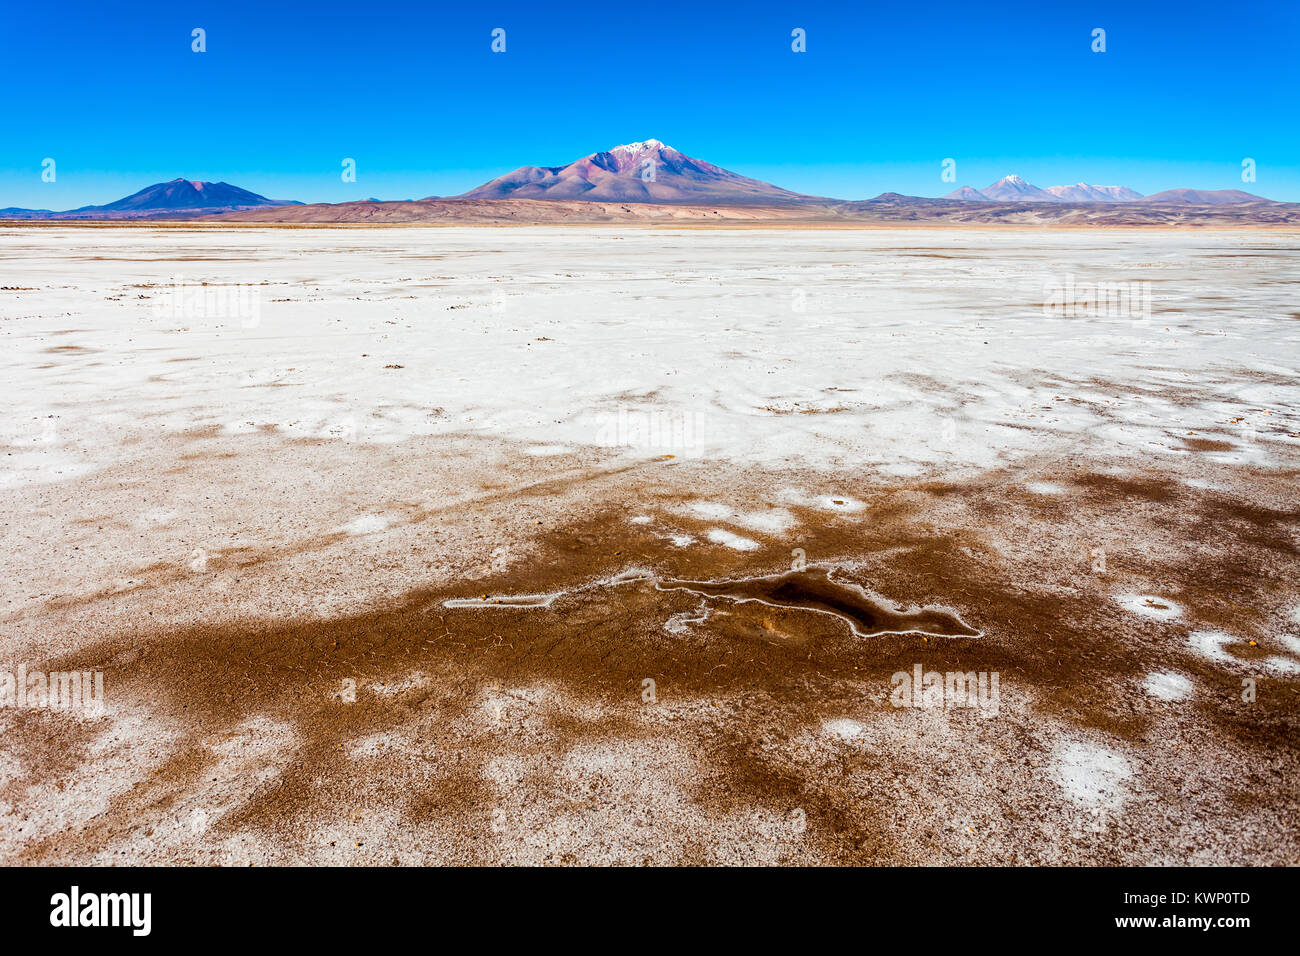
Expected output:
(178, 199)
(187, 194)
(644, 172)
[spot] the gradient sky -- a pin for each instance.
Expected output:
(413, 93)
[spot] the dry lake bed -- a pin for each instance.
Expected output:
(632, 545)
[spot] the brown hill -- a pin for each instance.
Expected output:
(884, 209)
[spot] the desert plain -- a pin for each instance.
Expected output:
(623, 543)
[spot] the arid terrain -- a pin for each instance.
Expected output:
(624, 544)
(888, 209)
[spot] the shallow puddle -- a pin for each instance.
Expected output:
(812, 590)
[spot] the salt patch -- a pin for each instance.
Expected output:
(772, 521)
(711, 510)
(366, 524)
(843, 728)
(801, 498)
(1091, 775)
(1044, 488)
(1282, 665)
(1167, 685)
(1150, 605)
(731, 540)
(1209, 644)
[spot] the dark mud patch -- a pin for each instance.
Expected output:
(812, 590)
(815, 590)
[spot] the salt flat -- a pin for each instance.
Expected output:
(246, 470)
(902, 352)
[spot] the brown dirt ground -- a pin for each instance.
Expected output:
(529, 736)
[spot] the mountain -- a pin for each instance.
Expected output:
(1014, 189)
(180, 198)
(966, 194)
(1204, 197)
(888, 199)
(1083, 192)
(188, 194)
(645, 172)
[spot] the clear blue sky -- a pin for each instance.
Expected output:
(413, 93)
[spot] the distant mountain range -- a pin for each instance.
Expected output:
(180, 198)
(1014, 189)
(651, 180)
(1082, 192)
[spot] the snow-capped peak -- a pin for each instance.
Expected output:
(646, 146)
(1014, 180)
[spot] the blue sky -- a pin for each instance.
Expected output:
(885, 92)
